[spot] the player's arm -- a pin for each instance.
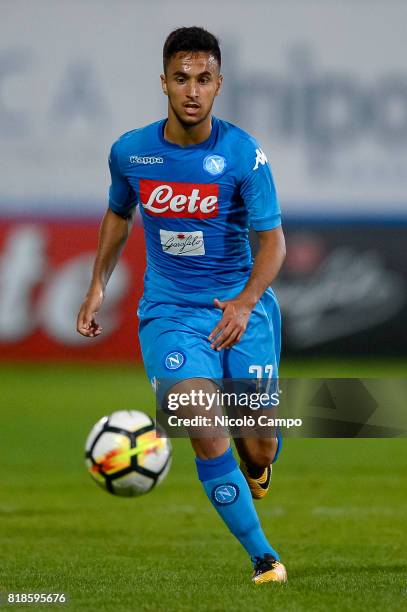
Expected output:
(114, 231)
(236, 312)
(259, 194)
(113, 234)
(269, 259)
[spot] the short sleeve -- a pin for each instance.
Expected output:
(122, 197)
(258, 191)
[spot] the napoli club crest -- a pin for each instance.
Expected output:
(214, 164)
(225, 494)
(174, 360)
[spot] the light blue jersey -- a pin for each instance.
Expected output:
(197, 203)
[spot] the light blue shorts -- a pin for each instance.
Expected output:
(174, 342)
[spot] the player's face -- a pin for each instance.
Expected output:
(191, 82)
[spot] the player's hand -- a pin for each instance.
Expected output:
(232, 325)
(86, 323)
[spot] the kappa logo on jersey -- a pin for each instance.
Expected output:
(260, 159)
(166, 199)
(145, 159)
(174, 360)
(214, 164)
(182, 243)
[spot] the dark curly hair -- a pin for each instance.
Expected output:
(192, 39)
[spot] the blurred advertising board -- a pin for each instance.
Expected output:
(45, 270)
(343, 290)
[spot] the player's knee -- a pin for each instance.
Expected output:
(262, 453)
(210, 448)
(263, 458)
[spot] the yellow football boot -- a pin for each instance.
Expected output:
(268, 569)
(258, 486)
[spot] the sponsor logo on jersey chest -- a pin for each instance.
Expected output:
(182, 243)
(188, 200)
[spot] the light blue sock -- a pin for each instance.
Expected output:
(229, 493)
(279, 445)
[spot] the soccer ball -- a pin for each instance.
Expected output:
(124, 455)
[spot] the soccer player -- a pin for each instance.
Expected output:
(208, 312)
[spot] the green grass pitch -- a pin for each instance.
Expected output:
(336, 511)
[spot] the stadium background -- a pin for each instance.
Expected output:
(323, 86)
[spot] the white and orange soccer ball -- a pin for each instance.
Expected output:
(124, 454)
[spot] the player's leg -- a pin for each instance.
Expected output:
(227, 489)
(175, 344)
(257, 452)
(221, 477)
(257, 356)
